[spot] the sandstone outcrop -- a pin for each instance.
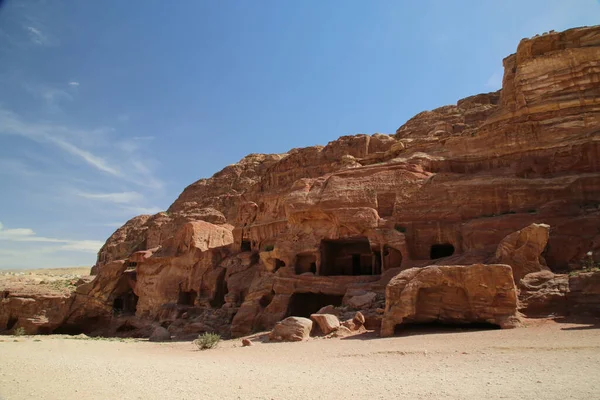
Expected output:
(451, 294)
(522, 250)
(543, 294)
(279, 235)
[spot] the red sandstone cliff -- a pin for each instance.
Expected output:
(282, 234)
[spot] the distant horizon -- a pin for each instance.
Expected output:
(109, 111)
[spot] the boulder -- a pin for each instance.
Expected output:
(522, 250)
(359, 319)
(543, 294)
(160, 334)
(363, 301)
(247, 342)
(328, 310)
(342, 332)
(327, 322)
(453, 294)
(291, 329)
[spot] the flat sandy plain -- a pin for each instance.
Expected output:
(543, 360)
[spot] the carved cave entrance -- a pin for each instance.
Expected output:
(246, 245)
(125, 304)
(349, 257)
(221, 290)
(187, 298)
(441, 250)
(442, 309)
(305, 304)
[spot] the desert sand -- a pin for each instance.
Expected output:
(545, 359)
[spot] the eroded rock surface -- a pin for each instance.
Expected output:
(451, 294)
(274, 235)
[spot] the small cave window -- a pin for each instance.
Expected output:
(131, 264)
(187, 298)
(266, 299)
(11, 323)
(306, 263)
(246, 245)
(278, 264)
(441, 250)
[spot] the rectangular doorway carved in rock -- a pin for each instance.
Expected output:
(351, 256)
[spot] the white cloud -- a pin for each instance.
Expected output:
(10, 123)
(93, 160)
(138, 169)
(37, 36)
(28, 235)
(74, 83)
(119, 198)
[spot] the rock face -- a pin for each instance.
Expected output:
(584, 293)
(291, 329)
(276, 235)
(451, 294)
(522, 250)
(543, 294)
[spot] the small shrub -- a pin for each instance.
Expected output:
(269, 247)
(20, 331)
(207, 341)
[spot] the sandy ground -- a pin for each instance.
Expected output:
(546, 360)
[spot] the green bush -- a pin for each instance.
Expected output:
(207, 340)
(20, 331)
(269, 247)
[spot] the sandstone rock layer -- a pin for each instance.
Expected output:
(451, 294)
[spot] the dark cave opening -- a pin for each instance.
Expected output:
(348, 257)
(220, 291)
(125, 304)
(441, 250)
(11, 323)
(246, 245)
(84, 325)
(305, 304)
(305, 263)
(187, 298)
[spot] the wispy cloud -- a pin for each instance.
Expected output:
(91, 159)
(118, 198)
(38, 37)
(28, 235)
(11, 123)
(134, 168)
(74, 83)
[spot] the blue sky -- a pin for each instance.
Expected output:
(108, 109)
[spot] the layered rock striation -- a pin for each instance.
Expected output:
(280, 235)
